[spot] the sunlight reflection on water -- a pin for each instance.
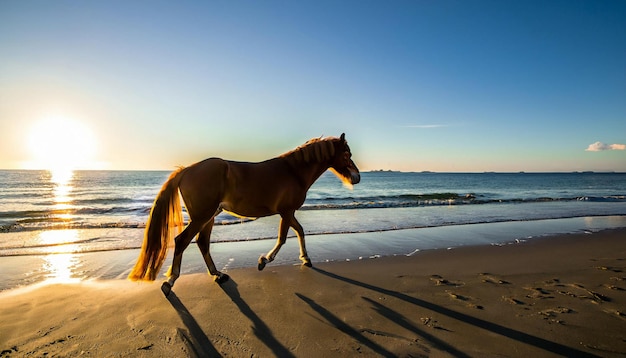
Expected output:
(60, 268)
(62, 180)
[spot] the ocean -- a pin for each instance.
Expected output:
(104, 212)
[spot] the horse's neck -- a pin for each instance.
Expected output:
(308, 173)
(319, 170)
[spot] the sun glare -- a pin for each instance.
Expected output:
(61, 145)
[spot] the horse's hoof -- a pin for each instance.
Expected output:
(221, 278)
(262, 262)
(306, 261)
(166, 288)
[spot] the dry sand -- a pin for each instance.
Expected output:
(561, 296)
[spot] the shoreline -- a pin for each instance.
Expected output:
(562, 295)
(115, 264)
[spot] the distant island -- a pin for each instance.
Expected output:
(382, 170)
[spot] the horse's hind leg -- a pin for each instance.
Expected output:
(204, 242)
(181, 241)
(304, 256)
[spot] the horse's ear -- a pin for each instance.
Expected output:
(343, 137)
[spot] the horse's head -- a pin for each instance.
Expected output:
(342, 164)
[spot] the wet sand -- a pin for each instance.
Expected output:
(558, 296)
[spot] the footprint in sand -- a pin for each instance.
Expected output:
(538, 293)
(613, 287)
(429, 322)
(457, 296)
(513, 301)
(617, 313)
(440, 281)
(8, 352)
(488, 278)
(552, 314)
(610, 268)
(614, 282)
(468, 300)
(579, 291)
(554, 282)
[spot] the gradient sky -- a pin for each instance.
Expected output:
(415, 85)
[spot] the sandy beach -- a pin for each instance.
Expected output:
(557, 296)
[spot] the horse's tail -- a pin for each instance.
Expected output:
(166, 214)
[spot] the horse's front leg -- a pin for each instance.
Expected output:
(287, 220)
(282, 236)
(181, 243)
(204, 241)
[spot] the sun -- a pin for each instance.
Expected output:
(61, 144)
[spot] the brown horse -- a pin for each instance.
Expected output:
(274, 186)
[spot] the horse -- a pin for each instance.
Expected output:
(244, 189)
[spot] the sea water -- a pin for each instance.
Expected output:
(105, 212)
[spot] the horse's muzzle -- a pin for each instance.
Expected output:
(355, 177)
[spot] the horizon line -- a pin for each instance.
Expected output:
(366, 171)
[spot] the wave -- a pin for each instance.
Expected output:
(61, 223)
(437, 199)
(611, 198)
(129, 213)
(40, 245)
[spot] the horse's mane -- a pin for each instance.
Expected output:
(314, 150)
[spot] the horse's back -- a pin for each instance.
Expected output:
(203, 185)
(244, 188)
(208, 170)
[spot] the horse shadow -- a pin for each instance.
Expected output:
(400, 320)
(196, 340)
(345, 328)
(474, 321)
(260, 329)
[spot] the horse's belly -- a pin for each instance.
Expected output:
(246, 211)
(240, 216)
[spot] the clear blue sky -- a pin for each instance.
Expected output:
(415, 85)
